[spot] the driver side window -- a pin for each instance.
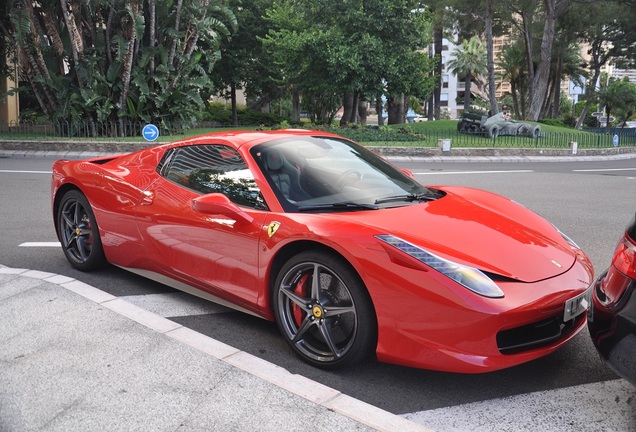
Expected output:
(213, 168)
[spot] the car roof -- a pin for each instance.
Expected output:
(249, 138)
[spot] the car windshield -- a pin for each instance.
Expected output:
(317, 174)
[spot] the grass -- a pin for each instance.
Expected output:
(423, 134)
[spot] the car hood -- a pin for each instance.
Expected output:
(478, 229)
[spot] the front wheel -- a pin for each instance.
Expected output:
(324, 310)
(78, 232)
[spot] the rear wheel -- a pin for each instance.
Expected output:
(324, 310)
(493, 131)
(78, 232)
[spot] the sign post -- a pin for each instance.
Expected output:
(150, 132)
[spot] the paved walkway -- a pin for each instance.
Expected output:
(74, 358)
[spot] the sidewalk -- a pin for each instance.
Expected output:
(74, 358)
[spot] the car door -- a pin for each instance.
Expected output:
(214, 252)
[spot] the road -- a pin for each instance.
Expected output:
(590, 201)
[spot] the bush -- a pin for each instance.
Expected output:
(222, 114)
(553, 122)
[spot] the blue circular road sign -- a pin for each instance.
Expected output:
(615, 140)
(150, 132)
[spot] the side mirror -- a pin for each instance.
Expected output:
(216, 204)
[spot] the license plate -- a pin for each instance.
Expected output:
(577, 305)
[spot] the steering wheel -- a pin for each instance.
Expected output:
(348, 176)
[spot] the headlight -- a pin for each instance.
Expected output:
(469, 277)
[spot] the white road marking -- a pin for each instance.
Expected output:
(474, 172)
(40, 244)
(608, 405)
(26, 172)
(605, 169)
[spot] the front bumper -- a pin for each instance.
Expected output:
(425, 323)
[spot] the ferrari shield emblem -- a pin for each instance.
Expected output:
(272, 228)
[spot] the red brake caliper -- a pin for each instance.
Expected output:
(301, 290)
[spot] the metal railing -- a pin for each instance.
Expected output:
(378, 136)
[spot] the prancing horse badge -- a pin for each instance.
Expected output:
(272, 228)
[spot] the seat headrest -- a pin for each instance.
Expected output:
(274, 160)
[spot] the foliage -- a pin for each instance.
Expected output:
(553, 122)
(123, 61)
(326, 50)
(469, 61)
(221, 114)
(619, 97)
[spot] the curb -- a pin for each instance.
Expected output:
(310, 390)
(87, 149)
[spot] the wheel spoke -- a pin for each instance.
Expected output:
(332, 311)
(315, 284)
(68, 222)
(68, 240)
(81, 248)
(325, 330)
(302, 330)
(77, 217)
(298, 300)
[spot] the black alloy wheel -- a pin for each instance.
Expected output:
(324, 310)
(78, 232)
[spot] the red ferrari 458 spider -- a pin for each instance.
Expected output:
(347, 253)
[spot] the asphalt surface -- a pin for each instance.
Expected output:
(76, 358)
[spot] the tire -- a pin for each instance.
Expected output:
(327, 327)
(536, 131)
(78, 232)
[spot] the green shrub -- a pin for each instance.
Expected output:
(222, 114)
(553, 122)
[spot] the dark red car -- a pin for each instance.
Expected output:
(350, 255)
(612, 316)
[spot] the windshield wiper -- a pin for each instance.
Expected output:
(339, 206)
(426, 196)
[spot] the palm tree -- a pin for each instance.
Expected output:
(470, 62)
(512, 63)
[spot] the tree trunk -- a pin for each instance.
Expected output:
(494, 107)
(515, 99)
(395, 109)
(556, 94)
(128, 56)
(233, 99)
(56, 40)
(362, 111)
(152, 38)
(295, 105)
(379, 109)
(541, 77)
(467, 85)
(173, 47)
(261, 102)
(353, 118)
(527, 40)
(347, 107)
(77, 43)
(438, 42)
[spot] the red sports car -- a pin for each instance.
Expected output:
(612, 315)
(347, 253)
